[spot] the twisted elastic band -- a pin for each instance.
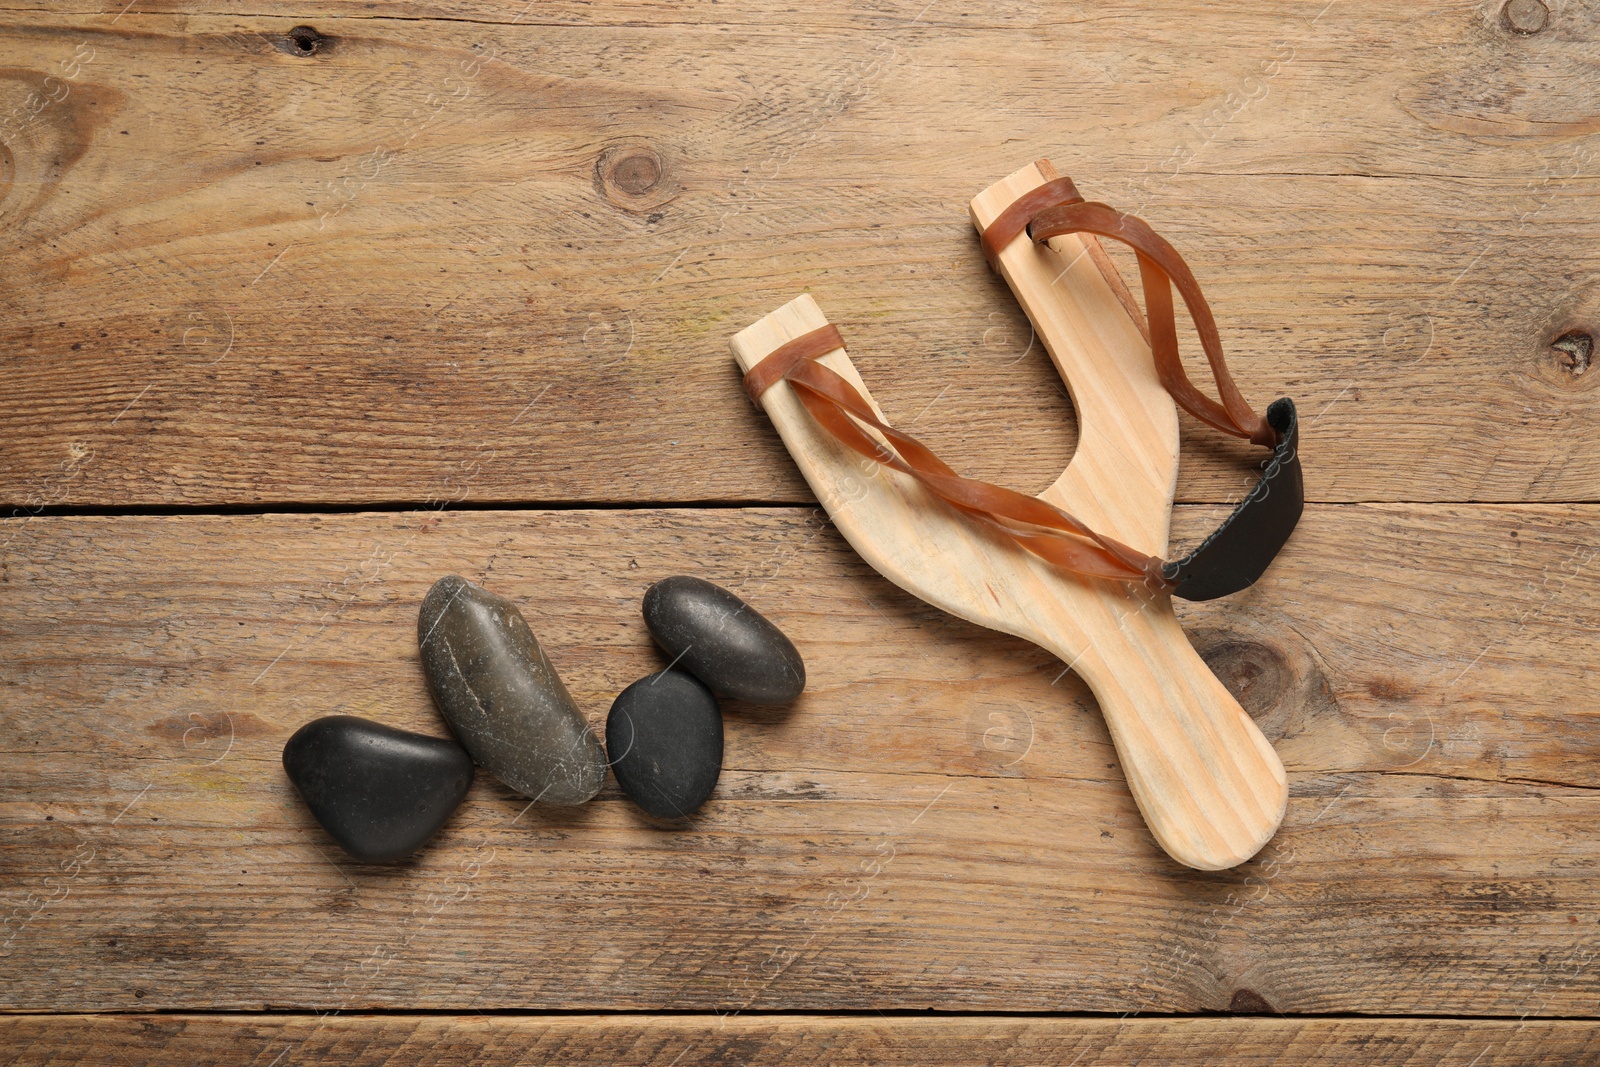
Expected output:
(1160, 267)
(1050, 210)
(1043, 529)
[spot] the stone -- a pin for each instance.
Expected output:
(380, 792)
(665, 739)
(495, 687)
(724, 642)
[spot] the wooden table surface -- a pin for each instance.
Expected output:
(304, 306)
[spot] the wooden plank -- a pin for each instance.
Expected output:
(685, 1041)
(940, 822)
(454, 260)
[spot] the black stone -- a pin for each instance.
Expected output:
(380, 792)
(665, 739)
(723, 641)
(502, 696)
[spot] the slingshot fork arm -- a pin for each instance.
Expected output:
(1122, 477)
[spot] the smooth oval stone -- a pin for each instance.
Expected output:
(665, 736)
(502, 697)
(380, 792)
(723, 641)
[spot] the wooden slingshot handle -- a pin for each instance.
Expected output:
(1210, 787)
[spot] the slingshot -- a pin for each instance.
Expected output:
(1079, 570)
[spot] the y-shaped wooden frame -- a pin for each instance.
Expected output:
(1210, 787)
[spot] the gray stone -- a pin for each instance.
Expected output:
(505, 702)
(723, 641)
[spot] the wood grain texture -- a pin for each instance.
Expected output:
(664, 1041)
(469, 251)
(938, 823)
(232, 273)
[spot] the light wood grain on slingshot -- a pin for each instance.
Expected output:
(1210, 787)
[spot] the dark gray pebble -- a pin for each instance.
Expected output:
(380, 792)
(707, 631)
(501, 696)
(665, 739)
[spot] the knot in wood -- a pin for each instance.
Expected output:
(1257, 674)
(301, 41)
(1574, 351)
(1525, 17)
(634, 176)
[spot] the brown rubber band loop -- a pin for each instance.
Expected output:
(1015, 218)
(1160, 267)
(778, 363)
